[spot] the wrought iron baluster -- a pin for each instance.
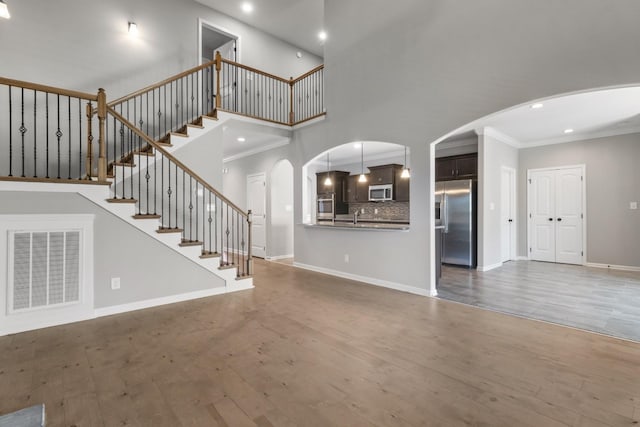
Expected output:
(35, 133)
(58, 134)
(69, 137)
(46, 130)
(190, 208)
(22, 129)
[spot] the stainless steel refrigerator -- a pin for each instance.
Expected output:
(457, 210)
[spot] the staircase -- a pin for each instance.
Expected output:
(126, 148)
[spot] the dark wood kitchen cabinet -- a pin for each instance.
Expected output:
(457, 167)
(357, 192)
(401, 189)
(338, 183)
(381, 175)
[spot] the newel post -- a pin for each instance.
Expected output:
(249, 259)
(291, 113)
(218, 68)
(102, 144)
(89, 163)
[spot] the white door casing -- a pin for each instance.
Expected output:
(508, 213)
(256, 203)
(556, 214)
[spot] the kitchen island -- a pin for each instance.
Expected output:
(363, 223)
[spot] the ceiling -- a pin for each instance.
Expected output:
(349, 154)
(295, 21)
(590, 115)
(257, 138)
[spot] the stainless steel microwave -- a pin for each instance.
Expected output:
(380, 193)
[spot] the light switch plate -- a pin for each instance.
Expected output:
(633, 205)
(115, 283)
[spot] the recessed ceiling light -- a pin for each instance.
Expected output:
(247, 7)
(568, 130)
(322, 35)
(241, 139)
(133, 29)
(537, 105)
(357, 145)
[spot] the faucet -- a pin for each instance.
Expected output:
(356, 214)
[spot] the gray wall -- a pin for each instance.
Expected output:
(445, 63)
(281, 210)
(613, 180)
(147, 268)
(492, 156)
(84, 45)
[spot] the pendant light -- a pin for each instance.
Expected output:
(363, 177)
(4, 10)
(405, 171)
(327, 181)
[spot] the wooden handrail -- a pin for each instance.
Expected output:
(162, 83)
(307, 74)
(181, 165)
(49, 89)
(255, 70)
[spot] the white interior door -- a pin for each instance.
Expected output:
(542, 188)
(556, 215)
(569, 216)
(508, 213)
(256, 203)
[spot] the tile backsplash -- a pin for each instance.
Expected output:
(386, 210)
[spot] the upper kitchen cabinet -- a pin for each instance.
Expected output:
(457, 167)
(384, 174)
(337, 186)
(357, 191)
(401, 189)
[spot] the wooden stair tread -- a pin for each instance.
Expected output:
(186, 242)
(193, 125)
(162, 230)
(147, 216)
(209, 255)
(227, 267)
(246, 276)
(126, 165)
(113, 200)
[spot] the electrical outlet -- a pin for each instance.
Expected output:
(346, 258)
(492, 206)
(633, 205)
(115, 283)
(362, 210)
(375, 211)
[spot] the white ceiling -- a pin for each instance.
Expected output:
(590, 115)
(295, 21)
(257, 137)
(375, 153)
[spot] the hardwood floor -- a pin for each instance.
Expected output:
(308, 349)
(595, 299)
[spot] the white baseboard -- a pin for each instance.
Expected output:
(612, 266)
(277, 257)
(522, 258)
(364, 279)
(484, 268)
(139, 305)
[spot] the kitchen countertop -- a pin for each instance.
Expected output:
(362, 225)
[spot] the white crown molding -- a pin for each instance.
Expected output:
(255, 151)
(500, 136)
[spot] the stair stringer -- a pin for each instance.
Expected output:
(126, 212)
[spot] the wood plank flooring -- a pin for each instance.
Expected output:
(306, 349)
(595, 299)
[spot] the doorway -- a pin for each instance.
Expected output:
(256, 203)
(556, 214)
(212, 38)
(508, 215)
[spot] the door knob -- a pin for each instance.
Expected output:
(559, 219)
(550, 219)
(510, 220)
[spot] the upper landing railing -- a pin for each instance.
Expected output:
(52, 133)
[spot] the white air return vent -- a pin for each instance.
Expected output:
(44, 268)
